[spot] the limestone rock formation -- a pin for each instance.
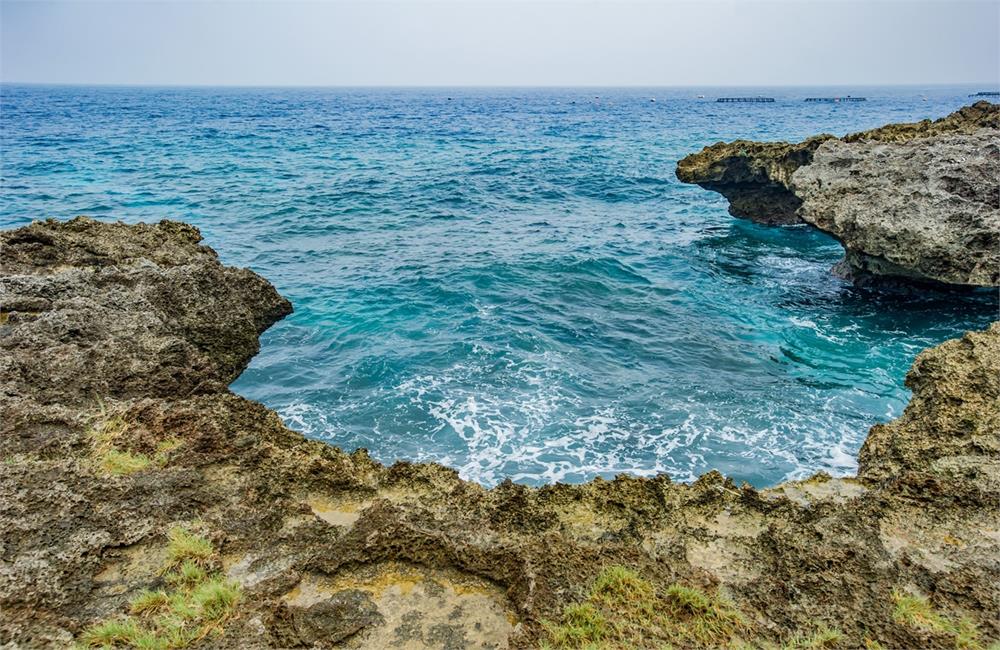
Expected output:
(949, 430)
(910, 202)
(114, 311)
(141, 498)
(965, 121)
(754, 176)
(925, 210)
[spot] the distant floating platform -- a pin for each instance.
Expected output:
(746, 99)
(988, 93)
(837, 99)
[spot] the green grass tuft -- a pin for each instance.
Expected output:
(187, 575)
(184, 545)
(691, 602)
(582, 625)
(917, 612)
(118, 631)
(147, 601)
(966, 635)
(620, 583)
(823, 638)
(122, 463)
(180, 606)
(215, 598)
(624, 610)
(104, 437)
(197, 603)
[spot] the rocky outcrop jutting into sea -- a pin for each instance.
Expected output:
(141, 500)
(922, 210)
(755, 176)
(912, 202)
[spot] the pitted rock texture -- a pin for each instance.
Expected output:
(332, 549)
(951, 424)
(107, 310)
(916, 203)
(965, 121)
(754, 176)
(924, 210)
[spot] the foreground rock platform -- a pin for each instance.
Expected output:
(118, 434)
(915, 203)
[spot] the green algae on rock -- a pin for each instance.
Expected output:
(137, 329)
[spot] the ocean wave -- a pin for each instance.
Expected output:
(510, 283)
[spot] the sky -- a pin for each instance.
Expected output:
(501, 42)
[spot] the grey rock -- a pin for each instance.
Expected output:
(926, 210)
(332, 620)
(913, 204)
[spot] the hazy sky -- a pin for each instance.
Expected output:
(484, 42)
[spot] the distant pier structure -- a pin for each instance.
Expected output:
(837, 99)
(763, 100)
(987, 93)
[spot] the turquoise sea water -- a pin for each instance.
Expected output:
(508, 281)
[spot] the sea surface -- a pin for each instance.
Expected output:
(511, 282)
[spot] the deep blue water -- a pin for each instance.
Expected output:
(508, 281)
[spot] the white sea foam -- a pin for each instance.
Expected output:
(487, 436)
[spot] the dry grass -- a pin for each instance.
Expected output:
(106, 437)
(123, 463)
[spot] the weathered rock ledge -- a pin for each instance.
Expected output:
(910, 202)
(116, 426)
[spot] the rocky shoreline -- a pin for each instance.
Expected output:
(142, 499)
(910, 203)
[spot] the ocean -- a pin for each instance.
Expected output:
(511, 282)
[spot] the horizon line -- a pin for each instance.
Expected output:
(992, 85)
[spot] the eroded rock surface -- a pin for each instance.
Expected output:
(332, 549)
(113, 311)
(949, 429)
(913, 202)
(754, 176)
(926, 210)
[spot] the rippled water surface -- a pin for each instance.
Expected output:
(511, 282)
